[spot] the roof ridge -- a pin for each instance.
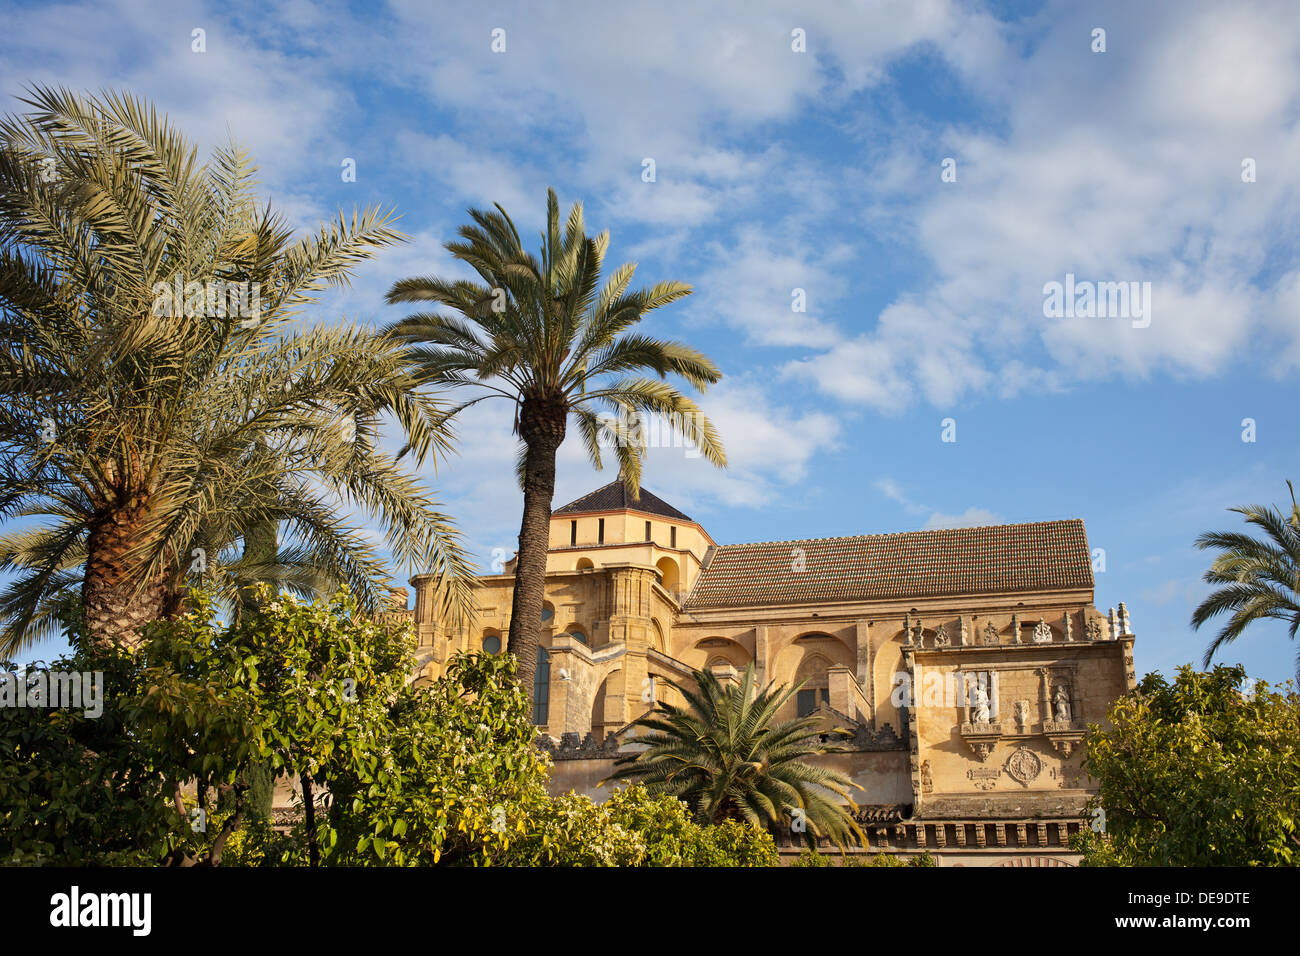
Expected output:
(899, 534)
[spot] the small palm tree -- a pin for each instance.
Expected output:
(158, 394)
(549, 338)
(721, 756)
(1257, 578)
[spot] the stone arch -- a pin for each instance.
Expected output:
(669, 575)
(708, 649)
(580, 631)
(657, 640)
(605, 716)
(809, 655)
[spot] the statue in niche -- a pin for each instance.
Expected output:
(927, 781)
(1022, 715)
(1062, 702)
(980, 711)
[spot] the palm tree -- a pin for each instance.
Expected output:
(720, 756)
(548, 337)
(159, 393)
(1258, 578)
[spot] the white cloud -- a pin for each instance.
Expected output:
(1140, 180)
(970, 518)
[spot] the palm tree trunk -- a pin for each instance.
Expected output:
(541, 426)
(115, 607)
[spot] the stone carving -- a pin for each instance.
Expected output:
(907, 628)
(927, 781)
(1124, 628)
(1093, 630)
(1024, 765)
(573, 746)
(980, 708)
(1061, 704)
(941, 638)
(920, 633)
(961, 631)
(1042, 633)
(991, 634)
(1022, 715)
(1114, 627)
(1065, 618)
(1015, 629)
(983, 777)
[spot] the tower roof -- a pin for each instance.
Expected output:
(614, 497)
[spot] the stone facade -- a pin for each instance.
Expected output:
(964, 665)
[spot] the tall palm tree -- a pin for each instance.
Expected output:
(721, 755)
(158, 390)
(1257, 578)
(548, 337)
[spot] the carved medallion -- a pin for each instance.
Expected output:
(991, 634)
(941, 637)
(1094, 630)
(1024, 766)
(1042, 633)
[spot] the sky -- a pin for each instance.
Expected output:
(922, 171)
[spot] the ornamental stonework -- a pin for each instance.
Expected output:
(1024, 766)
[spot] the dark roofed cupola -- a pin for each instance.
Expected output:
(615, 497)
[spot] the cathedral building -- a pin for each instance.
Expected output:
(960, 668)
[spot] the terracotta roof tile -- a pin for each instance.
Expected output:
(1042, 556)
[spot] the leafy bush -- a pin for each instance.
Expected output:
(205, 713)
(1196, 773)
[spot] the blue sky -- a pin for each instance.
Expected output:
(820, 170)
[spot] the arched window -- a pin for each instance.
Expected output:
(492, 644)
(581, 637)
(816, 689)
(542, 687)
(548, 612)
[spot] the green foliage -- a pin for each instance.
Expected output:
(442, 775)
(1255, 578)
(141, 426)
(1196, 773)
(811, 858)
(725, 759)
(548, 330)
(78, 791)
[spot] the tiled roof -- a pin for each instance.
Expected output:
(614, 497)
(1042, 556)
